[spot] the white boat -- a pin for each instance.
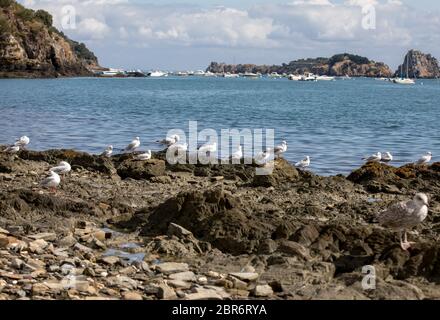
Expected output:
(252, 75)
(210, 74)
(308, 77)
(275, 75)
(199, 73)
(157, 74)
(403, 80)
(325, 78)
(294, 77)
(230, 75)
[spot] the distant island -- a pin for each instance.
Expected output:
(420, 65)
(31, 47)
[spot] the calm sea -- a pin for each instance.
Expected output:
(336, 123)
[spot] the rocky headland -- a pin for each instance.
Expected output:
(124, 229)
(30, 47)
(419, 65)
(338, 65)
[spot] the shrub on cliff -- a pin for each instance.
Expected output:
(6, 3)
(4, 25)
(44, 17)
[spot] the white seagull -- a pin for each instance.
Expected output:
(169, 141)
(279, 150)
(262, 158)
(22, 142)
(108, 152)
(377, 157)
(387, 157)
(303, 163)
(52, 181)
(425, 159)
(63, 167)
(405, 215)
(177, 151)
(136, 143)
(12, 149)
(144, 156)
(238, 154)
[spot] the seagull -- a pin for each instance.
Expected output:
(22, 142)
(237, 155)
(169, 141)
(177, 151)
(52, 181)
(303, 163)
(262, 157)
(208, 147)
(136, 143)
(377, 157)
(425, 159)
(107, 152)
(12, 149)
(405, 215)
(387, 157)
(144, 156)
(279, 150)
(63, 167)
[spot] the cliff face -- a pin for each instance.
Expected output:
(420, 65)
(31, 47)
(338, 65)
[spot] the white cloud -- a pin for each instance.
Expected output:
(299, 27)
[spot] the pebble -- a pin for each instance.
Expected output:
(166, 293)
(110, 260)
(130, 295)
(47, 236)
(183, 276)
(245, 276)
(172, 267)
(263, 291)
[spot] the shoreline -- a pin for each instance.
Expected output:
(226, 233)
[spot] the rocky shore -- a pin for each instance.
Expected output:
(124, 229)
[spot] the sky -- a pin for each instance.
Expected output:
(189, 34)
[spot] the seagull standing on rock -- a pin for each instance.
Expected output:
(136, 143)
(169, 141)
(387, 157)
(262, 158)
(405, 215)
(22, 142)
(144, 156)
(303, 163)
(377, 157)
(62, 168)
(279, 150)
(108, 152)
(237, 155)
(425, 159)
(12, 149)
(52, 181)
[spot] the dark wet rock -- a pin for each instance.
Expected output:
(283, 173)
(214, 216)
(75, 158)
(139, 170)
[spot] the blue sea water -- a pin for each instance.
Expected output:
(336, 123)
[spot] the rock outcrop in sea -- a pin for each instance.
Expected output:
(118, 228)
(419, 65)
(31, 47)
(337, 65)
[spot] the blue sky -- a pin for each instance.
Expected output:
(188, 34)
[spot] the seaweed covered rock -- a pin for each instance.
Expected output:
(140, 170)
(214, 216)
(283, 172)
(75, 158)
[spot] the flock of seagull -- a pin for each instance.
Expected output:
(399, 217)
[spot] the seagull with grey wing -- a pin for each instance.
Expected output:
(136, 143)
(303, 163)
(108, 152)
(22, 142)
(62, 168)
(404, 216)
(387, 157)
(280, 149)
(144, 156)
(12, 149)
(169, 141)
(425, 159)
(377, 157)
(52, 181)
